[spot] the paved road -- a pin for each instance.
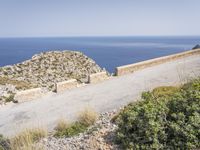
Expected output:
(108, 95)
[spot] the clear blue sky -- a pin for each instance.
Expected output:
(28, 18)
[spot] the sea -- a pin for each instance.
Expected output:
(108, 52)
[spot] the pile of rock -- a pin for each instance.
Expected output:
(48, 68)
(101, 136)
(196, 47)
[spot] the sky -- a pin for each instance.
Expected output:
(53, 18)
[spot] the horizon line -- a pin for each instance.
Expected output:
(76, 36)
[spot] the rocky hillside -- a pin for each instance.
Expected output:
(47, 68)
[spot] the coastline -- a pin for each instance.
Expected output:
(108, 52)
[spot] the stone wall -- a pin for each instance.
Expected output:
(28, 95)
(98, 77)
(144, 64)
(65, 85)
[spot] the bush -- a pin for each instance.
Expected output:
(170, 120)
(10, 98)
(4, 143)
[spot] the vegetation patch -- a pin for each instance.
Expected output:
(62, 125)
(4, 143)
(85, 119)
(18, 84)
(26, 139)
(73, 129)
(166, 118)
(10, 98)
(165, 91)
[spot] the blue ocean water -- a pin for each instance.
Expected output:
(108, 52)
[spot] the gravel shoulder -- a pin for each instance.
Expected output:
(103, 97)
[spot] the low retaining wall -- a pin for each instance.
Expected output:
(65, 85)
(144, 64)
(28, 95)
(98, 77)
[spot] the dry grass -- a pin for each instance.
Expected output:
(165, 91)
(26, 139)
(87, 116)
(62, 125)
(18, 84)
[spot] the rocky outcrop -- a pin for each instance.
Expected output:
(196, 47)
(48, 68)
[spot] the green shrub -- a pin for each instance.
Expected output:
(4, 143)
(170, 120)
(72, 130)
(10, 98)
